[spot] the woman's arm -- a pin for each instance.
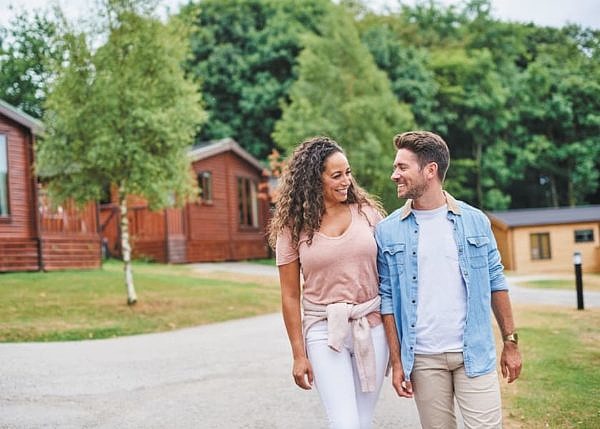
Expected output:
(289, 279)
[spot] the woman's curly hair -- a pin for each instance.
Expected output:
(300, 205)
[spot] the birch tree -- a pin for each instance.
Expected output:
(122, 115)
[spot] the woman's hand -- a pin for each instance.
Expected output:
(302, 372)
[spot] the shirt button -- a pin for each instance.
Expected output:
(416, 231)
(414, 278)
(414, 253)
(413, 301)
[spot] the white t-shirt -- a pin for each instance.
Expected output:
(442, 297)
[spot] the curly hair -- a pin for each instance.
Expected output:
(300, 205)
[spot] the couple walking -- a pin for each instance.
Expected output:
(413, 291)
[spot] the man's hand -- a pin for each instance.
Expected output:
(510, 361)
(403, 387)
(302, 372)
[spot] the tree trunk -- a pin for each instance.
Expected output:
(571, 189)
(478, 170)
(553, 191)
(126, 249)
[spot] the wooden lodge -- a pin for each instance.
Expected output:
(33, 235)
(544, 240)
(226, 222)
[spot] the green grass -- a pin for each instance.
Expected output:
(590, 282)
(73, 305)
(560, 383)
(270, 261)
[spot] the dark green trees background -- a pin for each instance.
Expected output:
(518, 104)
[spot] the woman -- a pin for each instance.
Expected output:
(323, 226)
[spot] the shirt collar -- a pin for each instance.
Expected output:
(452, 206)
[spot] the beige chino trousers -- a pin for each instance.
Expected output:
(438, 379)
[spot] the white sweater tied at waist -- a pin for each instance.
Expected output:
(341, 318)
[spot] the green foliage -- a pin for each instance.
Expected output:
(27, 46)
(341, 93)
(244, 53)
(409, 72)
(473, 101)
(122, 115)
(560, 101)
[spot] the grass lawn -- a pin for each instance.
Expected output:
(72, 305)
(590, 282)
(560, 383)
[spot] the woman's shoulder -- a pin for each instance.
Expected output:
(371, 213)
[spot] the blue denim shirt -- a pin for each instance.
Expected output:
(480, 267)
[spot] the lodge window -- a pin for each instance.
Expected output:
(584, 235)
(247, 202)
(205, 186)
(4, 210)
(540, 245)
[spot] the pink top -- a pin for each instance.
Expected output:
(338, 269)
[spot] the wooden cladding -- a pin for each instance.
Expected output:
(35, 235)
(226, 222)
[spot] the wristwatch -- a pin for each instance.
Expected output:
(513, 338)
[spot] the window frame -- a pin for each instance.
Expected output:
(204, 179)
(247, 205)
(538, 238)
(582, 232)
(7, 216)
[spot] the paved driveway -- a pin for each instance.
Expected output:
(226, 375)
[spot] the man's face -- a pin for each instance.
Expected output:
(410, 179)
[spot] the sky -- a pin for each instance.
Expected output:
(554, 13)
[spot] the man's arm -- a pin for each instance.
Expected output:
(403, 387)
(510, 359)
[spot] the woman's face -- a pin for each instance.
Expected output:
(336, 179)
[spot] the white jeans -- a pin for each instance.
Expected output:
(336, 378)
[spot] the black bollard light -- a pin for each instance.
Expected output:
(578, 279)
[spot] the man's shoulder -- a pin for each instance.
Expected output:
(390, 219)
(469, 210)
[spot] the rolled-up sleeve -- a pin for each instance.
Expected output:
(497, 279)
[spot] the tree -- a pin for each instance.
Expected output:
(341, 93)
(123, 115)
(409, 72)
(27, 47)
(560, 115)
(244, 53)
(473, 100)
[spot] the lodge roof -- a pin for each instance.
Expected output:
(17, 115)
(215, 147)
(547, 216)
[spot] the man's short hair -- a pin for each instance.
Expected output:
(428, 147)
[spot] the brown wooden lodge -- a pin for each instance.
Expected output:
(33, 235)
(227, 221)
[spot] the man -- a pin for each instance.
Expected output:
(440, 274)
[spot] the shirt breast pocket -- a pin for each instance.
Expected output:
(478, 251)
(394, 254)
